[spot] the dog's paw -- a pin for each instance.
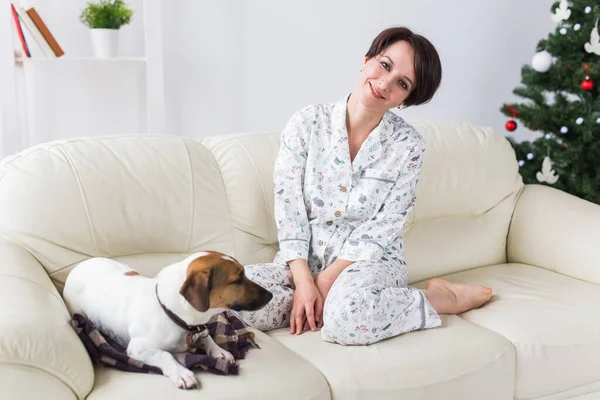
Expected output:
(185, 379)
(220, 353)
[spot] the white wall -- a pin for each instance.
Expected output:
(248, 65)
(239, 65)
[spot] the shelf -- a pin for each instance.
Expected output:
(21, 60)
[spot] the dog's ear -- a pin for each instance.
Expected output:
(196, 289)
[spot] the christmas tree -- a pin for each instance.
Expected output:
(562, 104)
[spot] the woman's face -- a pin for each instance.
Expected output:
(388, 78)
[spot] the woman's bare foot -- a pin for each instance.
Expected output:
(454, 298)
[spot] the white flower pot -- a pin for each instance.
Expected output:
(105, 42)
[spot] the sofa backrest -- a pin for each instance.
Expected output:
(151, 200)
(465, 198)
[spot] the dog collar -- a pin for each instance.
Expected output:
(200, 328)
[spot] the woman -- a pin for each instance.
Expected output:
(345, 182)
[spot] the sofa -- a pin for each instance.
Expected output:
(151, 200)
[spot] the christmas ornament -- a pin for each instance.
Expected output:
(542, 61)
(563, 31)
(579, 121)
(564, 129)
(521, 163)
(598, 120)
(530, 156)
(593, 46)
(561, 12)
(511, 124)
(548, 136)
(577, 27)
(588, 9)
(547, 174)
(587, 84)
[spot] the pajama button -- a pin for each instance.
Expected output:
(343, 189)
(338, 213)
(329, 222)
(320, 243)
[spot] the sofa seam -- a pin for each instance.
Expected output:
(62, 377)
(35, 283)
(226, 200)
(192, 189)
(512, 218)
(262, 186)
(83, 198)
(124, 255)
(559, 240)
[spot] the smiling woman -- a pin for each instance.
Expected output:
(418, 72)
(345, 183)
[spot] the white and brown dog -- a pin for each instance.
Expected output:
(149, 316)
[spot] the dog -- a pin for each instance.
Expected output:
(151, 318)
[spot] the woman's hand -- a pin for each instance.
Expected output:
(307, 308)
(325, 280)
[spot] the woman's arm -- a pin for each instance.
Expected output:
(293, 231)
(291, 218)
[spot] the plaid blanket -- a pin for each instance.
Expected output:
(227, 330)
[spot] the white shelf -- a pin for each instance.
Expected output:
(48, 98)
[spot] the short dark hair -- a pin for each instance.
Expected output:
(428, 67)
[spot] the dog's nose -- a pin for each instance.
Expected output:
(264, 297)
(268, 296)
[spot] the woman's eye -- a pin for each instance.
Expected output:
(385, 65)
(403, 84)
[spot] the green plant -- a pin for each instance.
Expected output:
(106, 14)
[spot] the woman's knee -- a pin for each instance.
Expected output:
(268, 274)
(340, 317)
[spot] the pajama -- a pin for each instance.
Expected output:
(329, 207)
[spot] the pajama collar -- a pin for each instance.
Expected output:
(370, 151)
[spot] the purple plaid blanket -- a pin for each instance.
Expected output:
(227, 330)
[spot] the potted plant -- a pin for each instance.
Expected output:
(104, 18)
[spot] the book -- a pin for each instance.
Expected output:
(35, 32)
(20, 31)
(37, 20)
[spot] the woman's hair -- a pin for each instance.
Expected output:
(428, 68)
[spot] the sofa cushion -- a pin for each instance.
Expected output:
(69, 200)
(551, 320)
(273, 372)
(458, 361)
(246, 163)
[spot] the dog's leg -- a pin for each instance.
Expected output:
(214, 350)
(182, 377)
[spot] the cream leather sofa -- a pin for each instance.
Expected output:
(151, 200)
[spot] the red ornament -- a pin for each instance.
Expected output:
(511, 125)
(587, 84)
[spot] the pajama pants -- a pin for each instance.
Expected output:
(368, 302)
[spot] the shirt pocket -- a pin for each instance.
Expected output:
(370, 191)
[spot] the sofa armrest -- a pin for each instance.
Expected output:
(36, 337)
(557, 231)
